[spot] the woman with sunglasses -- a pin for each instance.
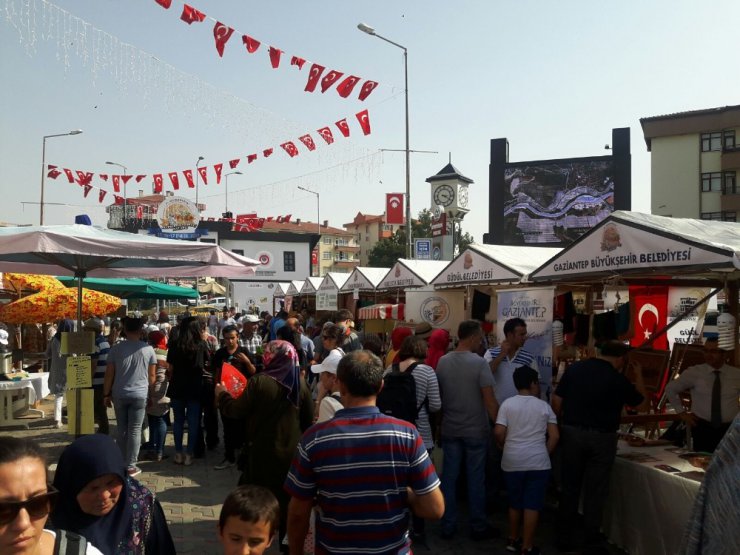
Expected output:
(99, 500)
(25, 500)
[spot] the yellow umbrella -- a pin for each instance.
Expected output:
(55, 304)
(30, 282)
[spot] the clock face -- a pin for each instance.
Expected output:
(444, 195)
(462, 197)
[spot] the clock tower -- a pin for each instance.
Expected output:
(450, 191)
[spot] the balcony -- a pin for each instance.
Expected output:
(731, 159)
(346, 262)
(346, 247)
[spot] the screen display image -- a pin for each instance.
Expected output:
(554, 203)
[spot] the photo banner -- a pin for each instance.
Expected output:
(680, 299)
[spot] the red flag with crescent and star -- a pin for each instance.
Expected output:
(88, 188)
(267, 152)
(175, 180)
(117, 183)
(158, 183)
(345, 87)
(140, 177)
(103, 176)
(101, 195)
(190, 15)
(69, 174)
(251, 44)
(649, 308)
(364, 120)
(217, 168)
(343, 127)
(308, 141)
(234, 163)
(189, 178)
(290, 148)
(296, 61)
(394, 208)
(164, 3)
(222, 34)
(203, 174)
(53, 172)
(329, 79)
(367, 88)
(126, 178)
(275, 57)
(325, 133)
(313, 77)
(251, 158)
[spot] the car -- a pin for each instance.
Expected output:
(217, 302)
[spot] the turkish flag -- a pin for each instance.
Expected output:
(126, 178)
(189, 178)
(367, 88)
(117, 199)
(217, 168)
(267, 152)
(275, 56)
(251, 158)
(103, 176)
(190, 15)
(251, 44)
(69, 174)
(364, 120)
(313, 77)
(649, 308)
(222, 34)
(139, 213)
(296, 61)
(140, 177)
(343, 127)
(234, 163)
(290, 148)
(345, 87)
(203, 174)
(101, 196)
(88, 188)
(329, 79)
(394, 208)
(158, 183)
(53, 172)
(175, 180)
(308, 141)
(164, 3)
(325, 133)
(83, 178)
(117, 183)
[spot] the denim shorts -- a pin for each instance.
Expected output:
(526, 489)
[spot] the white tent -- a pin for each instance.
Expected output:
(364, 278)
(295, 287)
(311, 285)
(411, 273)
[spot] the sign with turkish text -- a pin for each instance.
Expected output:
(689, 329)
(423, 249)
(178, 218)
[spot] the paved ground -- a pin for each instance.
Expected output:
(192, 497)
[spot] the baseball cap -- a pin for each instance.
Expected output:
(253, 318)
(93, 324)
(329, 364)
(3, 337)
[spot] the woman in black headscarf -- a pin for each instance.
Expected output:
(276, 408)
(98, 500)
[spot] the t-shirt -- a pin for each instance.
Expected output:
(328, 407)
(504, 374)
(131, 360)
(461, 376)
(526, 419)
(102, 347)
(187, 372)
(90, 549)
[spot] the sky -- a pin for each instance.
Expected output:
(151, 93)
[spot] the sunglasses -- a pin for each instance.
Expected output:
(37, 507)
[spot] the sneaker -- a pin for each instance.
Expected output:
(178, 458)
(188, 460)
(487, 533)
(514, 545)
(224, 464)
(133, 471)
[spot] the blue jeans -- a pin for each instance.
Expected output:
(129, 417)
(189, 409)
(157, 432)
(473, 451)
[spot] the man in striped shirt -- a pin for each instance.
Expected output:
(509, 356)
(367, 472)
(99, 362)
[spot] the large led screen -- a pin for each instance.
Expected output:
(554, 202)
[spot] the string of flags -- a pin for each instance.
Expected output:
(84, 178)
(222, 33)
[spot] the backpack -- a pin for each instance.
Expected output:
(69, 543)
(398, 396)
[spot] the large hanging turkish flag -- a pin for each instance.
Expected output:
(649, 308)
(394, 208)
(189, 178)
(175, 180)
(343, 126)
(345, 87)
(329, 79)
(367, 88)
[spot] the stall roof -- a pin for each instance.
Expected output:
(631, 243)
(295, 287)
(412, 273)
(364, 278)
(311, 285)
(281, 289)
(333, 281)
(482, 264)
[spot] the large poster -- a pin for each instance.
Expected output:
(680, 299)
(440, 309)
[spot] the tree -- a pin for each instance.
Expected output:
(464, 240)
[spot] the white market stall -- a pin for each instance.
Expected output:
(411, 273)
(327, 293)
(293, 291)
(362, 283)
(279, 293)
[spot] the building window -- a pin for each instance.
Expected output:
(289, 261)
(210, 241)
(729, 216)
(240, 252)
(711, 182)
(387, 227)
(728, 140)
(326, 240)
(326, 255)
(730, 183)
(711, 141)
(720, 216)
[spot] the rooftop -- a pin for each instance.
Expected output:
(691, 122)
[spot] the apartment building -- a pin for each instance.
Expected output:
(367, 230)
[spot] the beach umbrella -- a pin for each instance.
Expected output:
(55, 304)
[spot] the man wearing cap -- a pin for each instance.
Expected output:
(249, 338)
(327, 372)
(588, 402)
(99, 363)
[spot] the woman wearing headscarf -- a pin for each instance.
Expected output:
(439, 341)
(58, 368)
(98, 500)
(276, 408)
(397, 337)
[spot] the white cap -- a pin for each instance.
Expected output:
(252, 318)
(329, 364)
(3, 337)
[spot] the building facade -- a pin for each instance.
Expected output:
(695, 163)
(367, 230)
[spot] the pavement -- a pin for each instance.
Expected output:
(191, 497)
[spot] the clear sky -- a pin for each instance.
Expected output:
(150, 92)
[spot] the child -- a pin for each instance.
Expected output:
(526, 429)
(158, 404)
(249, 520)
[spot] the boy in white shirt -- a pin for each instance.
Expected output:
(526, 429)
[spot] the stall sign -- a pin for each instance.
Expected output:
(440, 309)
(79, 372)
(423, 249)
(471, 267)
(399, 277)
(689, 329)
(178, 218)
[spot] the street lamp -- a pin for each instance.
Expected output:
(43, 168)
(371, 31)
(125, 196)
(197, 182)
(226, 179)
(318, 222)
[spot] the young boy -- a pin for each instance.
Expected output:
(249, 521)
(526, 429)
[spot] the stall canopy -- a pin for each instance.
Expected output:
(631, 243)
(382, 312)
(311, 285)
(411, 273)
(295, 288)
(133, 288)
(328, 291)
(364, 278)
(485, 264)
(281, 289)
(211, 287)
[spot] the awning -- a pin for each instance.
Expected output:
(133, 288)
(382, 312)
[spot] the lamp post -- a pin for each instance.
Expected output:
(125, 196)
(318, 222)
(226, 180)
(371, 31)
(197, 181)
(43, 168)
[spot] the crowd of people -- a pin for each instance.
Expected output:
(334, 435)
